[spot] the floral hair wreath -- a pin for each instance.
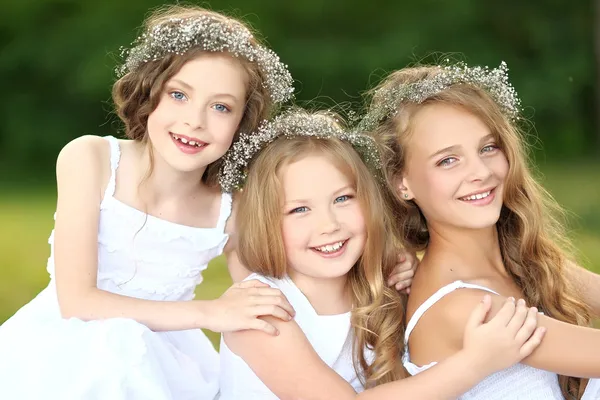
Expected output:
(290, 125)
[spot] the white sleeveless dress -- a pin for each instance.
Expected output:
(519, 382)
(43, 356)
(330, 336)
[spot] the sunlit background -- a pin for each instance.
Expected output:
(56, 69)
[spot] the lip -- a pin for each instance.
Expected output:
(184, 148)
(334, 254)
(489, 189)
(189, 138)
(480, 202)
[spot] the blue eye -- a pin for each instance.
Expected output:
(179, 96)
(489, 148)
(299, 210)
(447, 161)
(342, 199)
(221, 108)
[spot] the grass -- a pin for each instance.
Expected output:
(27, 222)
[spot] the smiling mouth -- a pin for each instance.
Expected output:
(477, 196)
(330, 248)
(191, 143)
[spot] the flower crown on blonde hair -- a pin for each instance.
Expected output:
(178, 35)
(493, 81)
(292, 124)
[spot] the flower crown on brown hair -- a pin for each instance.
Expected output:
(178, 35)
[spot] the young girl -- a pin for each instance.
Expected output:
(138, 220)
(314, 222)
(467, 198)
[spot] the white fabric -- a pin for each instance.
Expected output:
(330, 336)
(519, 382)
(43, 356)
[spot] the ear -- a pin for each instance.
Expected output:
(404, 189)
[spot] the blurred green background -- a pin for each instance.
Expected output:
(56, 71)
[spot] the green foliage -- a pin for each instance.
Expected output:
(58, 58)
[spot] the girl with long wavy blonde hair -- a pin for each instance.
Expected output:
(315, 220)
(456, 159)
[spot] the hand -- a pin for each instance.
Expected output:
(506, 339)
(240, 307)
(401, 276)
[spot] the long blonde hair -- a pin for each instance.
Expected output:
(532, 239)
(138, 93)
(378, 311)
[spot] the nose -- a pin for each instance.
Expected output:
(194, 117)
(479, 170)
(329, 221)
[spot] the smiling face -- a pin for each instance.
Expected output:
(455, 170)
(323, 227)
(199, 112)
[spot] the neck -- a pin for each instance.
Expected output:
(468, 248)
(328, 296)
(166, 183)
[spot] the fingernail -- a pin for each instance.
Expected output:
(289, 317)
(276, 333)
(521, 302)
(511, 299)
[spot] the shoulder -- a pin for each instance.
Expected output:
(273, 282)
(87, 151)
(442, 326)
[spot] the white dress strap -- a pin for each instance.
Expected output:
(437, 296)
(115, 156)
(224, 211)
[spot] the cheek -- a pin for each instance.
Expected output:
(501, 166)
(291, 233)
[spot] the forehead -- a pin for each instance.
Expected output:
(214, 72)
(438, 125)
(312, 175)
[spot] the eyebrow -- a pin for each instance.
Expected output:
(456, 147)
(340, 190)
(184, 84)
(444, 150)
(191, 89)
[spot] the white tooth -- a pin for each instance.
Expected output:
(184, 140)
(192, 143)
(329, 248)
(478, 196)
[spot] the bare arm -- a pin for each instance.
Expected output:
(565, 349)
(589, 285)
(81, 170)
(291, 369)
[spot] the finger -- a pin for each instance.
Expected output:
(529, 326)
(264, 291)
(251, 283)
(272, 310)
(401, 257)
(532, 343)
(400, 286)
(261, 325)
(278, 300)
(398, 276)
(479, 313)
(519, 317)
(505, 314)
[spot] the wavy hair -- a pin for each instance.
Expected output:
(532, 239)
(378, 311)
(138, 93)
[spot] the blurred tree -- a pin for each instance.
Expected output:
(58, 57)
